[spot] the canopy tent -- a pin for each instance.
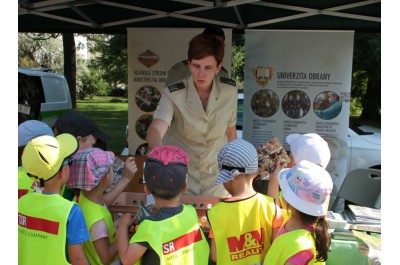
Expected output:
(115, 16)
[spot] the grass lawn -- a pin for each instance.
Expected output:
(110, 116)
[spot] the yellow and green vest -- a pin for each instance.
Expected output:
(42, 229)
(243, 229)
(177, 240)
(24, 183)
(93, 213)
(288, 244)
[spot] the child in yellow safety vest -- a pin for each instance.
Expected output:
(242, 227)
(89, 135)
(304, 237)
(27, 131)
(92, 174)
(51, 229)
(172, 235)
(311, 147)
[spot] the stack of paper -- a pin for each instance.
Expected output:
(362, 215)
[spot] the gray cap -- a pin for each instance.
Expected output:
(236, 157)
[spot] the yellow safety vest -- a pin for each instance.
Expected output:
(93, 213)
(24, 183)
(288, 244)
(243, 229)
(42, 229)
(176, 240)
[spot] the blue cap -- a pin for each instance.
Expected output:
(31, 129)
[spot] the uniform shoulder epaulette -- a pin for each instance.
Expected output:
(227, 81)
(176, 86)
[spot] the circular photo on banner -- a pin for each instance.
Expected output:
(142, 123)
(147, 98)
(327, 105)
(143, 150)
(296, 104)
(265, 103)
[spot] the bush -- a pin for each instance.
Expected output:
(118, 92)
(91, 84)
(118, 100)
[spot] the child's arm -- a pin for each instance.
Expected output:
(76, 255)
(273, 184)
(213, 250)
(130, 169)
(128, 253)
(105, 251)
(277, 222)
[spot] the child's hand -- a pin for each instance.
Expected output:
(278, 168)
(126, 220)
(130, 168)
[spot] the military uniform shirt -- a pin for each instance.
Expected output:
(199, 133)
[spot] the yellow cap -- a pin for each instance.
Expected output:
(44, 155)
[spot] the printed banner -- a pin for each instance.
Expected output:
(299, 82)
(151, 53)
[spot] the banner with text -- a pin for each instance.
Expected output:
(151, 53)
(299, 82)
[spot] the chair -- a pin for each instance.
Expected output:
(362, 187)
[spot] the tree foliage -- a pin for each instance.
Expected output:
(111, 57)
(367, 62)
(238, 57)
(41, 50)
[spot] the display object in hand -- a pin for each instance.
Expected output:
(268, 155)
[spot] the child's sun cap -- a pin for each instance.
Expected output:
(43, 156)
(31, 129)
(89, 167)
(306, 187)
(166, 169)
(79, 124)
(235, 158)
(310, 147)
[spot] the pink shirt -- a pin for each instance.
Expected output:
(302, 257)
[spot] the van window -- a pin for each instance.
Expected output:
(51, 83)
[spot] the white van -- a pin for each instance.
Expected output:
(42, 95)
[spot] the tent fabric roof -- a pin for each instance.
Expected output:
(115, 16)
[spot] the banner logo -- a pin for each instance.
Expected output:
(263, 75)
(148, 58)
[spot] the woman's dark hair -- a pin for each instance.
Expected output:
(204, 45)
(321, 234)
(216, 31)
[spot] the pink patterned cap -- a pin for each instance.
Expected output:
(89, 167)
(307, 187)
(166, 170)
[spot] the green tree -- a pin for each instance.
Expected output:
(41, 50)
(367, 61)
(238, 57)
(70, 64)
(111, 57)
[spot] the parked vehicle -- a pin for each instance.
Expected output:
(42, 95)
(364, 146)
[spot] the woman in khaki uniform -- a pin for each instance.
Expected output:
(198, 114)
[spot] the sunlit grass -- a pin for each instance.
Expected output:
(111, 115)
